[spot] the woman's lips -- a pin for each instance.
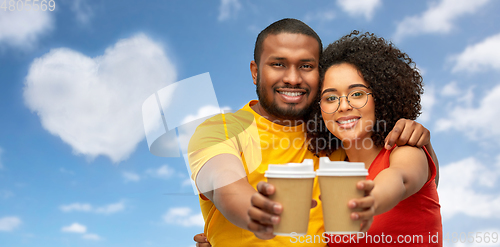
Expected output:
(347, 122)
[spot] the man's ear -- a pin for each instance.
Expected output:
(254, 70)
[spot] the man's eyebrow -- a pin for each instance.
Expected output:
(308, 60)
(283, 58)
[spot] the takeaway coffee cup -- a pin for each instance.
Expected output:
(337, 182)
(294, 185)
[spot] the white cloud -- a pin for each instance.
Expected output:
(478, 57)
(163, 171)
(9, 223)
(75, 228)
(91, 236)
(186, 182)
(365, 8)
(322, 16)
(22, 29)
(451, 89)
(111, 208)
(81, 229)
(83, 12)
(86, 207)
(205, 112)
(183, 216)
(80, 207)
(478, 123)
(428, 100)
(438, 18)
(131, 177)
(228, 9)
(94, 104)
(459, 189)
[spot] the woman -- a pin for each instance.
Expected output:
(367, 84)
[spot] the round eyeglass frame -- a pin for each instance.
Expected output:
(348, 102)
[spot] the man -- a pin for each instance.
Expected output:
(229, 153)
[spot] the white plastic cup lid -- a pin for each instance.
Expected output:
(340, 168)
(292, 170)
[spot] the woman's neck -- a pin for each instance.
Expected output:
(357, 152)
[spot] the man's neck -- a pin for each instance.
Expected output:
(284, 122)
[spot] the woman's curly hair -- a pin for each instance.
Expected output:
(392, 76)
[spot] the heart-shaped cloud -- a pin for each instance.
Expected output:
(94, 104)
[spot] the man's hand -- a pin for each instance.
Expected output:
(366, 204)
(201, 240)
(264, 212)
(408, 132)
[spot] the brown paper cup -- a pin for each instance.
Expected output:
(295, 195)
(336, 191)
(294, 185)
(337, 183)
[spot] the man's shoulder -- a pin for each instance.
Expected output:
(241, 118)
(222, 127)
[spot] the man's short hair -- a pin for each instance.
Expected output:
(287, 25)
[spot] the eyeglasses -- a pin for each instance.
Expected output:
(330, 102)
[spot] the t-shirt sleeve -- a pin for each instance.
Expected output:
(210, 139)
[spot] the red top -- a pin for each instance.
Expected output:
(415, 221)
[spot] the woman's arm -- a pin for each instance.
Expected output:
(406, 175)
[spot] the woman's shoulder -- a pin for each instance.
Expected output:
(408, 153)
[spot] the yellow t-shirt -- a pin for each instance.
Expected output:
(258, 143)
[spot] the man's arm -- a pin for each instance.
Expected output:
(409, 132)
(222, 179)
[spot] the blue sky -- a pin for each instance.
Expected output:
(75, 169)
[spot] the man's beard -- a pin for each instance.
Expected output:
(271, 107)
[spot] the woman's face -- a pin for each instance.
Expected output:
(347, 123)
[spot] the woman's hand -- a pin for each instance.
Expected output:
(201, 240)
(366, 204)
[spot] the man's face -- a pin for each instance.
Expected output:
(287, 77)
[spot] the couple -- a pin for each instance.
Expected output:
(359, 89)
